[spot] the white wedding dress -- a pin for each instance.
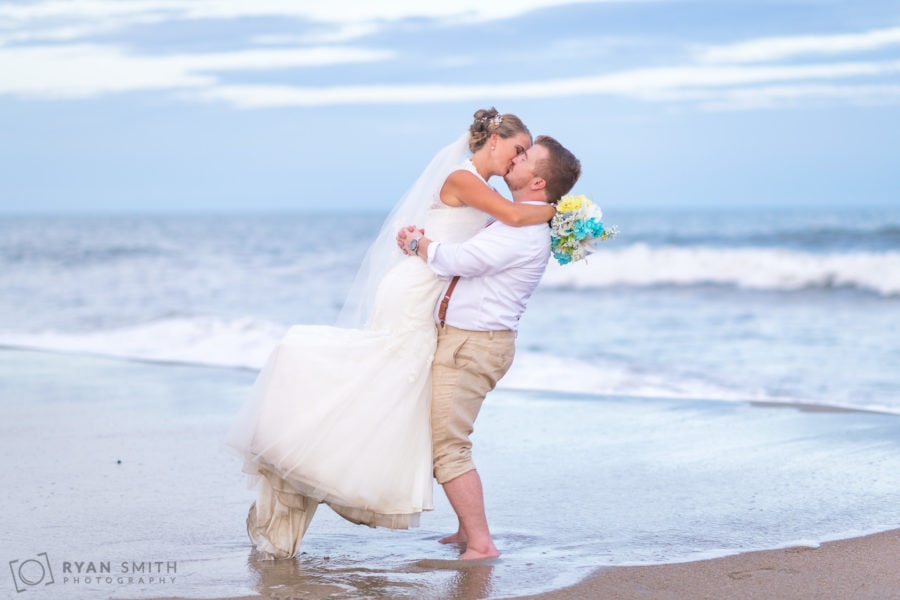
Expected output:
(342, 416)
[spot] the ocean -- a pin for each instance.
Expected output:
(710, 382)
(794, 307)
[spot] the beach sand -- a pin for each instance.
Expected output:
(122, 464)
(866, 568)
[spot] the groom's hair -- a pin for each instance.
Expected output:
(560, 169)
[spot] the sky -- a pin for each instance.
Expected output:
(198, 106)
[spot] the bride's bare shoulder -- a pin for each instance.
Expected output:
(456, 185)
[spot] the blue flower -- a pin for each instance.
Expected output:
(595, 227)
(561, 257)
(581, 230)
(575, 232)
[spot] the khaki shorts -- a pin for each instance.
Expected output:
(467, 365)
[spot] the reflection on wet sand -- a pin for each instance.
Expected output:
(322, 577)
(470, 580)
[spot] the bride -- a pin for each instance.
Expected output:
(340, 415)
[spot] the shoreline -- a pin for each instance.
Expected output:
(798, 405)
(862, 568)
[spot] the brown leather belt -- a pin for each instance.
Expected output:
(442, 311)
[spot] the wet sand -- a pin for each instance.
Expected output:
(122, 464)
(866, 568)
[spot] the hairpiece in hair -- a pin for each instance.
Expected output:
(496, 120)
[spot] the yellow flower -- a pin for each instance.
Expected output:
(570, 203)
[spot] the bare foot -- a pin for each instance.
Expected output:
(456, 538)
(473, 554)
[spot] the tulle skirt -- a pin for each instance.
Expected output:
(342, 416)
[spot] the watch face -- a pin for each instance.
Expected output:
(413, 246)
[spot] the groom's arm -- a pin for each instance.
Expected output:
(495, 249)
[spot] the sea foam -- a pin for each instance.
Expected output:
(244, 342)
(774, 269)
(247, 342)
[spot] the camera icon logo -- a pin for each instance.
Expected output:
(31, 572)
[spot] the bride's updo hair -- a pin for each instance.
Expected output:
(488, 121)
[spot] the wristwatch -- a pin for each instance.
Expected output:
(414, 245)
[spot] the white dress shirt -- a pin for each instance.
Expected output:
(499, 269)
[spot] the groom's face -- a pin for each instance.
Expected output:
(521, 174)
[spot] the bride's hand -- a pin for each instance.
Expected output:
(403, 234)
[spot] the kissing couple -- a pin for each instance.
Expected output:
(362, 415)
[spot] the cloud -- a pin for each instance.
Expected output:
(45, 52)
(336, 11)
(780, 48)
(655, 85)
(340, 34)
(83, 71)
(66, 19)
(780, 96)
(87, 70)
(756, 98)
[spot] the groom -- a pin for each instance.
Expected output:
(494, 275)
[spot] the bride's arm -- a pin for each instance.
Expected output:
(465, 189)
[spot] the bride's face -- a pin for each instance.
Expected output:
(507, 149)
(521, 174)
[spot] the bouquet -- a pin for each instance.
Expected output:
(576, 229)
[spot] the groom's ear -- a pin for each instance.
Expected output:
(538, 183)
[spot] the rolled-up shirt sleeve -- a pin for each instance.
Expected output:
(491, 251)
